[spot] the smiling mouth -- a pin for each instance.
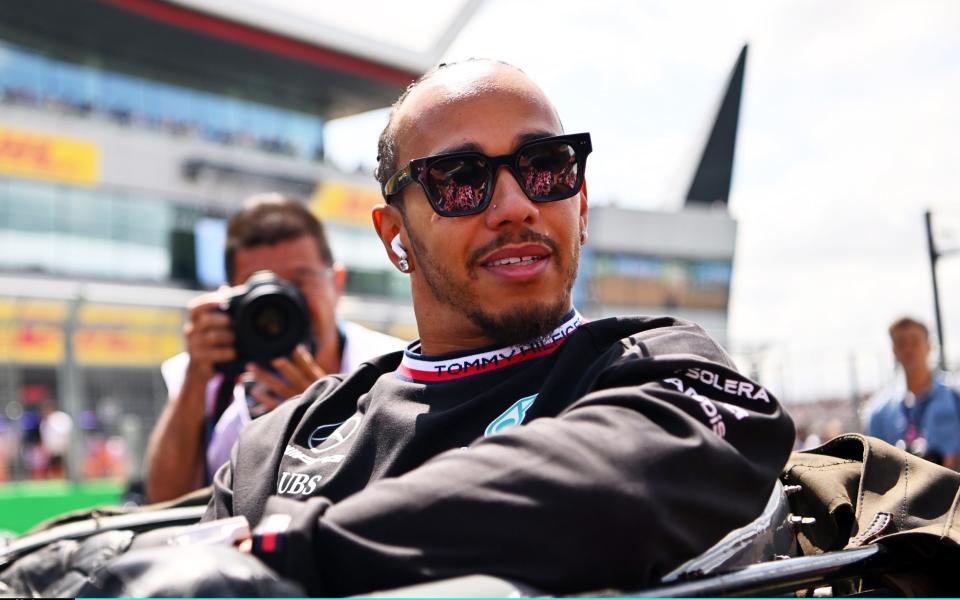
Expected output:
(514, 260)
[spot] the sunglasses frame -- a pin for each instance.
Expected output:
(416, 171)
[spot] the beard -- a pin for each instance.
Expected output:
(517, 324)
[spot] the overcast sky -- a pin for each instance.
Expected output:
(850, 129)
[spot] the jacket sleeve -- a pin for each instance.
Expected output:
(660, 459)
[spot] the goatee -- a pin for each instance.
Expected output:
(519, 324)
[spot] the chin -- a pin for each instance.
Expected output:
(523, 319)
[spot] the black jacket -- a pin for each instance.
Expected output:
(640, 447)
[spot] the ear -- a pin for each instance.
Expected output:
(339, 278)
(389, 224)
(584, 209)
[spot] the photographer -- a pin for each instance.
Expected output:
(271, 233)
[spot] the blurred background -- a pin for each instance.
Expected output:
(782, 173)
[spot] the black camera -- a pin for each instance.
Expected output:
(269, 318)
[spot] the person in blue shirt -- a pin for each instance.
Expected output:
(924, 418)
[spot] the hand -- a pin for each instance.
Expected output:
(209, 336)
(297, 372)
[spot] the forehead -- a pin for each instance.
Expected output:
(479, 105)
(907, 332)
(286, 258)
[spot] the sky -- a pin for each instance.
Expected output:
(849, 131)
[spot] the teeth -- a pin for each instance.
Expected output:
(514, 260)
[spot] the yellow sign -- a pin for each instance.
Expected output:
(31, 343)
(345, 203)
(47, 157)
(123, 347)
(105, 314)
(32, 332)
(33, 310)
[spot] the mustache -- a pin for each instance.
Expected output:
(505, 238)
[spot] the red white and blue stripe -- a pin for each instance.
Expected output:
(424, 369)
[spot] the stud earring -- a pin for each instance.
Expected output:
(583, 237)
(403, 265)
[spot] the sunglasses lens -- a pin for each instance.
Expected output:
(549, 170)
(458, 185)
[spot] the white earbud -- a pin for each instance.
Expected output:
(401, 253)
(397, 247)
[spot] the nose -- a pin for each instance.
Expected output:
(509, 204)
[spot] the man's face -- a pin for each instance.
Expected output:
(911, 347)
(297, 261)
(466, 268)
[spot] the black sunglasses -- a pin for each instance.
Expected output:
(461, 183)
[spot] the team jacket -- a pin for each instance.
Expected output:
(602, 455)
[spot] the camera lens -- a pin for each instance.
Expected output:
(269, 318)
(270, 322)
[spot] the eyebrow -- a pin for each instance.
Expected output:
(518, 141)
(306, 271)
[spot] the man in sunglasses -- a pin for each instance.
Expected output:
(515, 438)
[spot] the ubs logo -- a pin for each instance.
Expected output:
(328, 437)
(297, 483)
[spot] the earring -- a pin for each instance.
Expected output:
(403, 265)
(583, 237)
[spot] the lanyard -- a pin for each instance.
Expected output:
(914, 415)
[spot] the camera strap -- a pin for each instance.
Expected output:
(220, 405)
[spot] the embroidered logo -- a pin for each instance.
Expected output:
(328, 437)
(512, 416)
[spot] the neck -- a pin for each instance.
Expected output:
(440, 336)
(919, 380)
(432, 346)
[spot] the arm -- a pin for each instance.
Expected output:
(175, 453)
(174, 457)
(625, 484)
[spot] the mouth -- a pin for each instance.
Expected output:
(514, 260)
(517, 263)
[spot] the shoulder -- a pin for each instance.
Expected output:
(276, 420)
(339, 389)
(944, 385)
(173, 370)
(363, 344)
(657, 338)
(883, 402)
(943, 393)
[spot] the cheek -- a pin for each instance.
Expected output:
(566, 224)
(317, 297)
(447, 239)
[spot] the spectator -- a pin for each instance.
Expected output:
(55, 429)
(923, 418)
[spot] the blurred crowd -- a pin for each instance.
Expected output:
(177, 127)
(35, 442)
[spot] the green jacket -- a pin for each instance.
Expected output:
(861, 490)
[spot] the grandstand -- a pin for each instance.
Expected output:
(129, 131)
